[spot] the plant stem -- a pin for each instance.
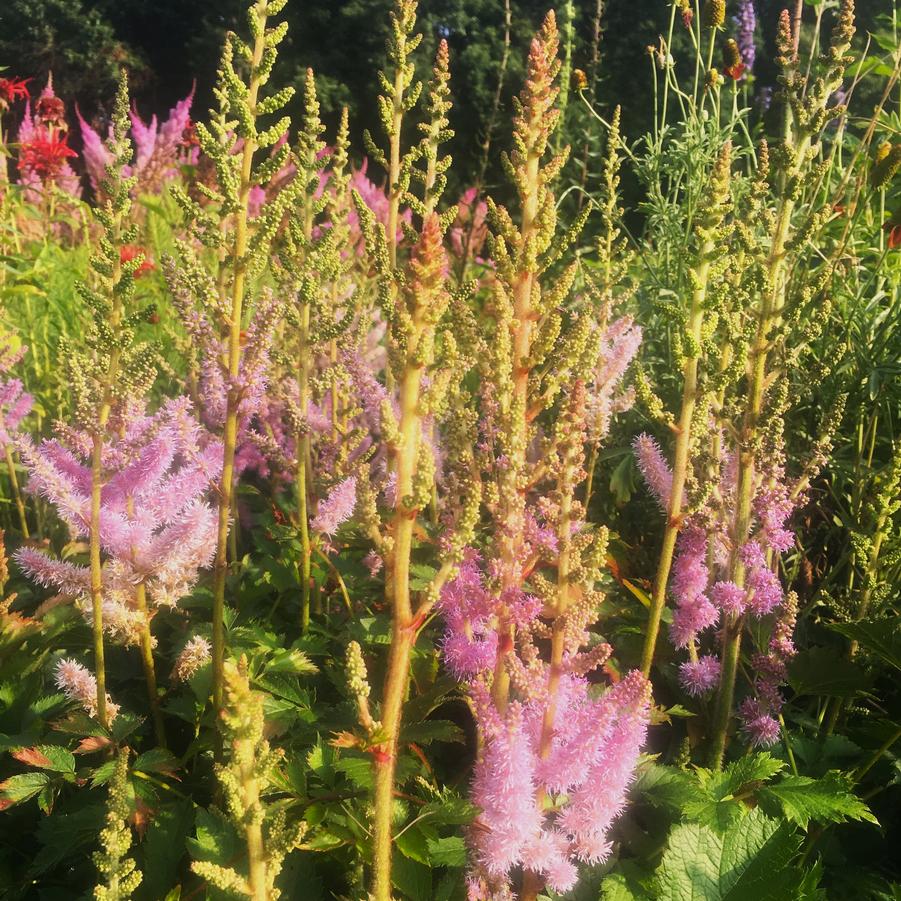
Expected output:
(17, 494)
(403, 631)
(226, 482)
(97, 575)
(159, 728)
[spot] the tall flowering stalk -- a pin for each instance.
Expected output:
(156, 530)
(707, 226)
(232, 140)
(245, 778)
(422, 363)
(113, 366)
(555, 758)
(807, 112)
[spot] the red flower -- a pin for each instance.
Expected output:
(12, 89)
(894, 235)
(735, 72)
(45, 154)
(130, 252)
(50, 110)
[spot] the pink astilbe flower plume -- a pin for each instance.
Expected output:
(78, 684)
(336, 508)
(156, 528)
(656, 471)
(160, 149)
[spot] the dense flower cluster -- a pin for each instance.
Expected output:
(44, 152)
(155, 526)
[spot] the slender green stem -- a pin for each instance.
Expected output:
(17, 494)
(230, 436)
(146, 640)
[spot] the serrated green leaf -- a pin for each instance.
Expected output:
(21, 787)
(413, 843)
(666, 786)
(157, 760)
(432, 730)
(447, 852)
(715, 803)
(749, 861)
(801, 799)
(412, 878)
(616, 887)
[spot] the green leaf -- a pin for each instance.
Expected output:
(616, 887)
(321, 760)
(357, 769)
(158, 760)
(413, 879)
(163, 848)
(881, 637)
(413, 843)
(749, 861)
(20, 788)
(715, 804)
(666, 786)
(48, 757)
(820, 671)
(432, 730)
(826, 800)
(447, 852)
(216, 839)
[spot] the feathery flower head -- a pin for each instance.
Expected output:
(700, 677)
(337, 507)
(193, 656)
(656, 471)
(79, 684)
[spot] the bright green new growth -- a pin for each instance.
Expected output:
(225, 285)
(245, 780)
(121, 876)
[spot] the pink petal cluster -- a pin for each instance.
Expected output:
(160, 149)
(688, 584)
(700, 677)
(337, 507)
(50, 127)
(617, 346)
(78, 684)
(156, 528)
(193, 656)
(654, 468)
(594, 746)
(15, 402)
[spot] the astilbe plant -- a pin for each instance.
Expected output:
(108, 370)
(423, 360)
(161, 149)
(156, 529)
(221, 282)
(119, 873)
(556, 755)
(246, 777)
(15, 405)
(737, 362)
